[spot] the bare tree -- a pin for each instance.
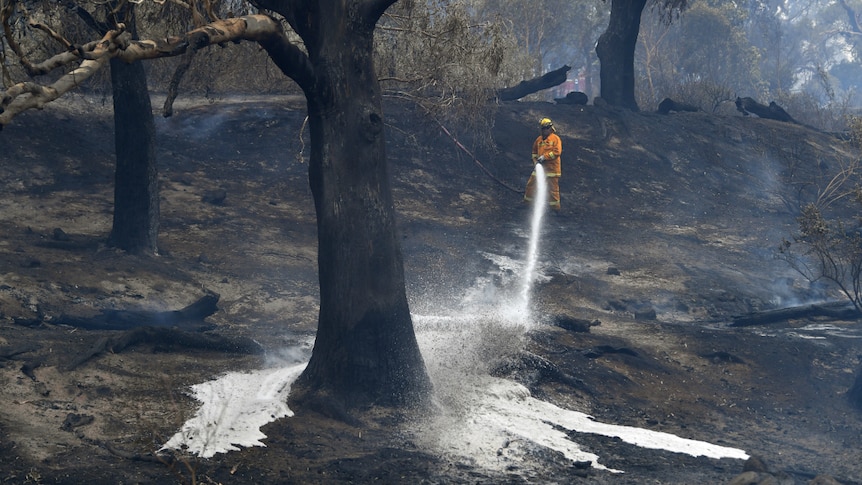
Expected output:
(830, 232)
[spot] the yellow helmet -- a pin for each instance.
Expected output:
(546, 123)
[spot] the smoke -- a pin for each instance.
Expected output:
(297, 353)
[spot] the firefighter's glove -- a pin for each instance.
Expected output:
(540, 160)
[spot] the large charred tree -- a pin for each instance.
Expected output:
(366, 349)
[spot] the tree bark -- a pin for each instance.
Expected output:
(616, 52)
(366, 350)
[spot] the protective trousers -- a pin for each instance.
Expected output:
(553, 189)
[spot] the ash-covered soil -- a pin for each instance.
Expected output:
(669, 229)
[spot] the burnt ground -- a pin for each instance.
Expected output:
(670, 228)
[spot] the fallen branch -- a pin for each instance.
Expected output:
(531, 86)
(835, 310)
(167, 337)
(668, 105)
(126, 319)
(748, 106)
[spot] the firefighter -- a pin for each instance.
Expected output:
(546, 150)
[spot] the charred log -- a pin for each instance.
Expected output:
(748, 106)
(834, 310)
(574, 324)
(536, 84)
(574, 97)
(668, 105)
(167, 338)
(9, 352)
(189, 317)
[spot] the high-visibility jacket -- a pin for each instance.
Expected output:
(550, 148)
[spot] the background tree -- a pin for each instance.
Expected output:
(541, 29)
(448, 59)
(771, 50)
(704, 59)
(765, 27)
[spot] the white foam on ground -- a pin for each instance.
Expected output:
(500, 424)
(233, 409)
(495, 423)
(486, 421)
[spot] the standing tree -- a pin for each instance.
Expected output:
(704, 60)
(366, 350)
(135, 225)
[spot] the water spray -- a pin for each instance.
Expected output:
(539, 208)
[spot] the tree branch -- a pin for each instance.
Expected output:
(292, 61)
(53, 34)
(851, 17)
(373, 9)
(257, 28)
(16, 100)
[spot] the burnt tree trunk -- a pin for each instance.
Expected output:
(136, 194)
(136, 190)
(616, 51)
(366, 350)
